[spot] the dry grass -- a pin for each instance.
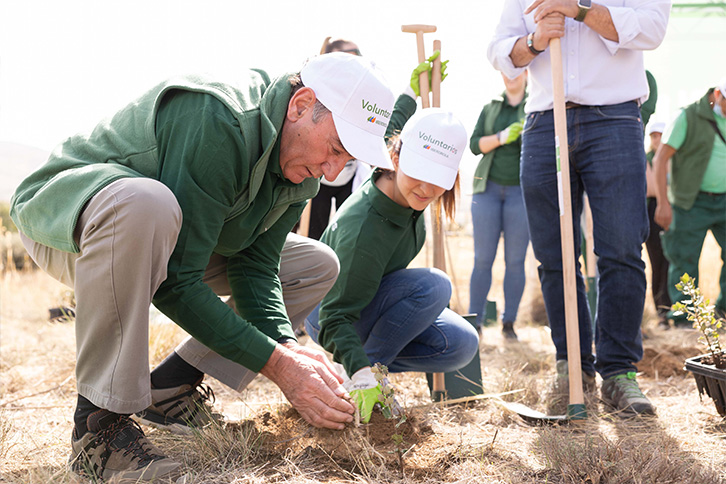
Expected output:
(478, 442)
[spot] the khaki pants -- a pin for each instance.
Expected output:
(126, 234)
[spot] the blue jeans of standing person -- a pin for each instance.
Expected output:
(607, 160)
(499, 210)
(408, 327)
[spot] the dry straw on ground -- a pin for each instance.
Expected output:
(476, 442)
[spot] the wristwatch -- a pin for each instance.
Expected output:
(584, 6)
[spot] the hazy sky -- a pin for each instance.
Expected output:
(66, 64)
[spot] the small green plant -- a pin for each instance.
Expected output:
(700, 313)
(391, 410)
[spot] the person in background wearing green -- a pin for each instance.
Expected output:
(693, 200)
(658, 261)
(380, 311)
(188, 193)
(497, 207)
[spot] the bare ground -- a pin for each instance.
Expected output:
(478, 441)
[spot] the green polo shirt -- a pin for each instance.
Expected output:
(372, 236)
(714, 178)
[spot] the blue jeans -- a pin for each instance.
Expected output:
(496, 211)
(408, 327)
(607, 160)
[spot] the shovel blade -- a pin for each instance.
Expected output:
(531, 415)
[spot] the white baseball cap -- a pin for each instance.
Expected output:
(432, 143)
(357, 94)
(655, 127)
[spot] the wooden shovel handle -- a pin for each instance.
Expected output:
(568, 245)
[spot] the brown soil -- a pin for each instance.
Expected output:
(285, 433)
(665, 360)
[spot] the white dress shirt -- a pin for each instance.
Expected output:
(597, 71)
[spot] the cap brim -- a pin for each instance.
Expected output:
(363, 145)
(421, 168)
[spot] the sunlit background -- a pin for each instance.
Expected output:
(66, 64)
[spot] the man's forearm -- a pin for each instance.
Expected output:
(600, 20)
(521, 55)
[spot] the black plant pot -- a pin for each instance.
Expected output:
(710, 380)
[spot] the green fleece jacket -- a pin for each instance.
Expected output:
(372, 236)
(689, 163)
(216, 146)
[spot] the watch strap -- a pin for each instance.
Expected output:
(581, 13)
(530, 44)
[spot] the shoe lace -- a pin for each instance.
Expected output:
(206, 394)
(135, 447)
(628, 385)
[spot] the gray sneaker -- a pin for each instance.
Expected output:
(180, 409)
(623, 394)
(562, 379)
(559, 394)
(116, 447)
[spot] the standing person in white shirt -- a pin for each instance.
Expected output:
(605, 82)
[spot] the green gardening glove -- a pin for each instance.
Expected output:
(511, 133)
(366, 400)
(365, 391)
(426, 66)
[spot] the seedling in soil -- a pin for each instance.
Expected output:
(391, 410)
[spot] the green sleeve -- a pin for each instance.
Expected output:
(404, 108)
(253, 277)
(478, 131)
(361, 271)
(648, 107)
(201, 157)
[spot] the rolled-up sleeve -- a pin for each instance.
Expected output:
(641, 25)
(511, 27)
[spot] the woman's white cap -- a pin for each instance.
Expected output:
(432, 143)
(357, 94)
(655, 127)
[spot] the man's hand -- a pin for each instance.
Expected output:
(365, 390)
(316, 355)
(426, 66)
(511, 133)
(310, 387)
(663, 214)
(543, 8)
(550, 27)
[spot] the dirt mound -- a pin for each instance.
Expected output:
(666, 360)
(355, 449)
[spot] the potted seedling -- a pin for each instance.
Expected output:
(708, 369)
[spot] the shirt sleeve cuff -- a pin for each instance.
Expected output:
(499, 56)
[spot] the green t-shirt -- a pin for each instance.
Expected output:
(714, 179)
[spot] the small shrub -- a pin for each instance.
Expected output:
(700, 313)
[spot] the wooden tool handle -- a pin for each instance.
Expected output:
(568, 245)
(413, 28)
(423, 80)
(436, 77)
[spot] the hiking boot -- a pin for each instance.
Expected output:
(508, 330)
(115, 447)
(623, 394)
(180, 409)
(558, 396)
